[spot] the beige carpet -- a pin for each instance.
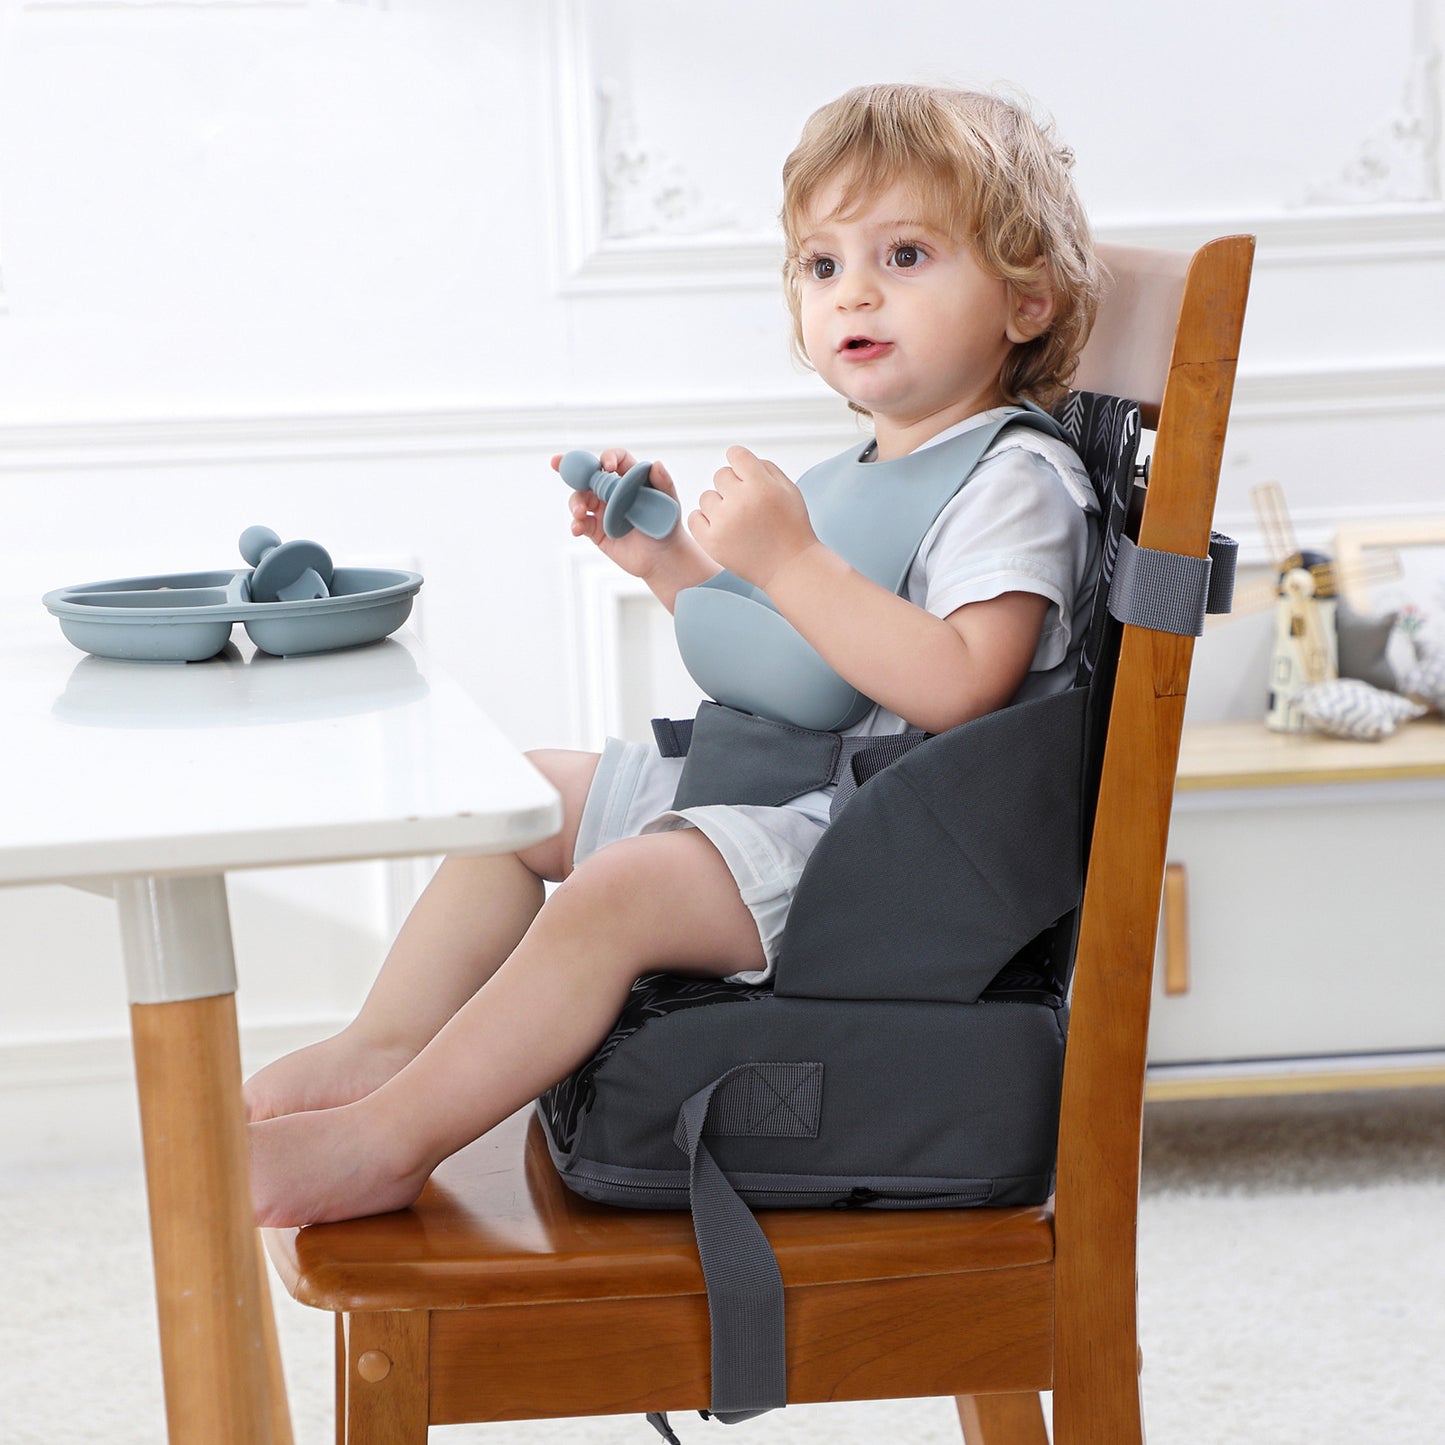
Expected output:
(1292, 1292)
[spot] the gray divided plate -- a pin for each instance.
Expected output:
(187, 617)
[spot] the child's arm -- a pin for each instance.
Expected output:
(933, 672)
(667, 566)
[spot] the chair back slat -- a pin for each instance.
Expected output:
(1129, 349)
(1102, 1107)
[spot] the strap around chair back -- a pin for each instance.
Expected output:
(1105, 431)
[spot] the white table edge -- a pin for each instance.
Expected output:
(188, 856)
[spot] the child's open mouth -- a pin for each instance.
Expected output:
(863, 348)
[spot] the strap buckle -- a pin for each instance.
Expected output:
(1169, 591)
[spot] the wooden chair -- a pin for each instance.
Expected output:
(501, 1296)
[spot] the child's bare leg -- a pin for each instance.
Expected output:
(661, 901)
(471, 916)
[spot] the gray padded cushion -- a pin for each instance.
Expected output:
(946, 864)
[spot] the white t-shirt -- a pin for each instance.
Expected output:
(1020, 524)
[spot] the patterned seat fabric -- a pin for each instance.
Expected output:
(1105, 431)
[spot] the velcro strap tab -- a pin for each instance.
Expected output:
(864, 756)
(737, 757)
(765, 1101)
(673, 735)
(1224, 553)
(1170, 592)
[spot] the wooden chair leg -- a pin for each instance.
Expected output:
(1002, 1420)
(281, 1433)
(1097, 1359)
(342, 1371)
(386, 1382)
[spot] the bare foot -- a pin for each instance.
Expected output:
(329, 1164)
(336, 1071)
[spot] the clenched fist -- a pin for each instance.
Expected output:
(754, 519)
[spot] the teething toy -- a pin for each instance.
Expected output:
(285, 571)
(628, 501)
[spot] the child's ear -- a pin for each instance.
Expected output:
(1031, 309)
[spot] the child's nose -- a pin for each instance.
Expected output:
(858, 286)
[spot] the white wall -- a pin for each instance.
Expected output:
(355, 269)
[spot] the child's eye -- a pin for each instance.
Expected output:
(821, 268)
(905, 256)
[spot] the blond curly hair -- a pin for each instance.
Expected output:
(985, 172)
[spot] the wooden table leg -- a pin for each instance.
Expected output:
(218, 1356)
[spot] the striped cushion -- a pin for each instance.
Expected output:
(1348, 708)
(1425, 681)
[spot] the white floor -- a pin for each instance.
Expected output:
(1292, 1289)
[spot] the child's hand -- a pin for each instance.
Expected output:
(754, 520)
(636, 553)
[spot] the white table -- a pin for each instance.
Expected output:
(150, 782)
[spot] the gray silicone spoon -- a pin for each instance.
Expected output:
(628, 501)
(296, 571)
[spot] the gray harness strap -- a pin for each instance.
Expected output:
(1167, 592)
(739, 757)
(744, 1285)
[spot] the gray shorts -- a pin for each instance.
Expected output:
(764, 848)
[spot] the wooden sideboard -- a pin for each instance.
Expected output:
(1302, 938)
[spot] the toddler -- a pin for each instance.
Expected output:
(940, 275)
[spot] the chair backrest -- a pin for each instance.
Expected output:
(1167, 336)
(1104, 431)
(1130, 347)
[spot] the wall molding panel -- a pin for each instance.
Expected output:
(1400, 159)
(594, 163)
(142, 5)
(1407, 387)
(484, 430)
(1327, 236)
(597, 594)
(72, 1096)
(1278, 396)
(106, 1057)
(1324, 236)
(122, 6)
(1387, 205)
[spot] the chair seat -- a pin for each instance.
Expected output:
(497, 1223)
(496, 1227)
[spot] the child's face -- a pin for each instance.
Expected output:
(900, 319)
